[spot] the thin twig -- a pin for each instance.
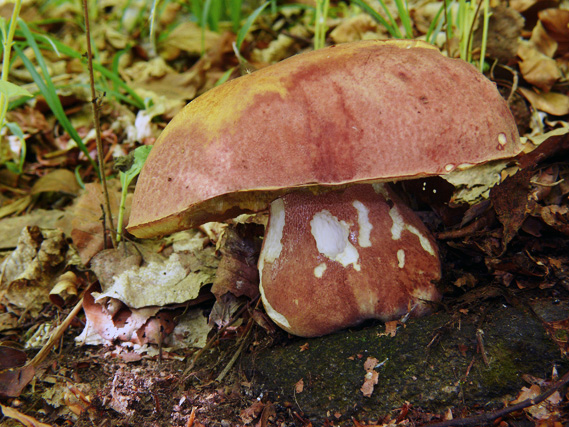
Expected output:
(56, 335)
(95, 104)
(230, 364)
(214, 338)
(491, 416)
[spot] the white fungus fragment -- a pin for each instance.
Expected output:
(272, 248)
(502, 140)
(331, 236)
(319, 270)
(364, 224)
(401, 258)
(399, 225)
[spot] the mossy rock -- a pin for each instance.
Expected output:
(433, 363)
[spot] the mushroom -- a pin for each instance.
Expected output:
(313, 137)
(335, 259)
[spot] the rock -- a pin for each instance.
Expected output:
(433, 363)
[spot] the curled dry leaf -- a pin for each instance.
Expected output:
(65, 289)
(137, 326)
(30, 269)
(504, 30)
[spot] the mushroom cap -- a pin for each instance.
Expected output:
(333, 260)
(353, 113)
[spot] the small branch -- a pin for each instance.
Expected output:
(95, 104)
(491, 416)
(56, 335)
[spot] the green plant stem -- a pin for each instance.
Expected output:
(94, 103)
(484, 34)
(8, 41)
(320, 23)
(124, 185)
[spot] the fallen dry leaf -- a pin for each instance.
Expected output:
(511, 202)
(14, 375)
(83, 222)
(556, 23)
(553, 103)
(371, 377)
(175, 277)
(299, 386)
(237, 272)
(359, 27)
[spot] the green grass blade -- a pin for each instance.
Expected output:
(403, 11)
(248, 23)
(48, 91)
(391, 28)
(136, 100)
(435, 26)
(235, 13)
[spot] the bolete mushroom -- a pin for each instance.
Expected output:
(313, 137)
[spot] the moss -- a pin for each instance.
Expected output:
(433, 363)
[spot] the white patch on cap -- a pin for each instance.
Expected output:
(450, 167)
(319, 270)
(502, 140)
(331, 236)
(363, 222)
(399, 225)
(401, 258)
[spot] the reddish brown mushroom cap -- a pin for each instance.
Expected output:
(333, 260)
(358, 112)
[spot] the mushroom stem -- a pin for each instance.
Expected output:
(332, 260)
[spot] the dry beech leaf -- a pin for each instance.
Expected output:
(153, 279)
(553, 103)
(359, 27)
(542, 41)
(60, 180)
(511, 202)
(537, 68)
(187, 37)
(371, 377)
(556, 22)
(85, 218)
(504, 31)
(10, 228)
